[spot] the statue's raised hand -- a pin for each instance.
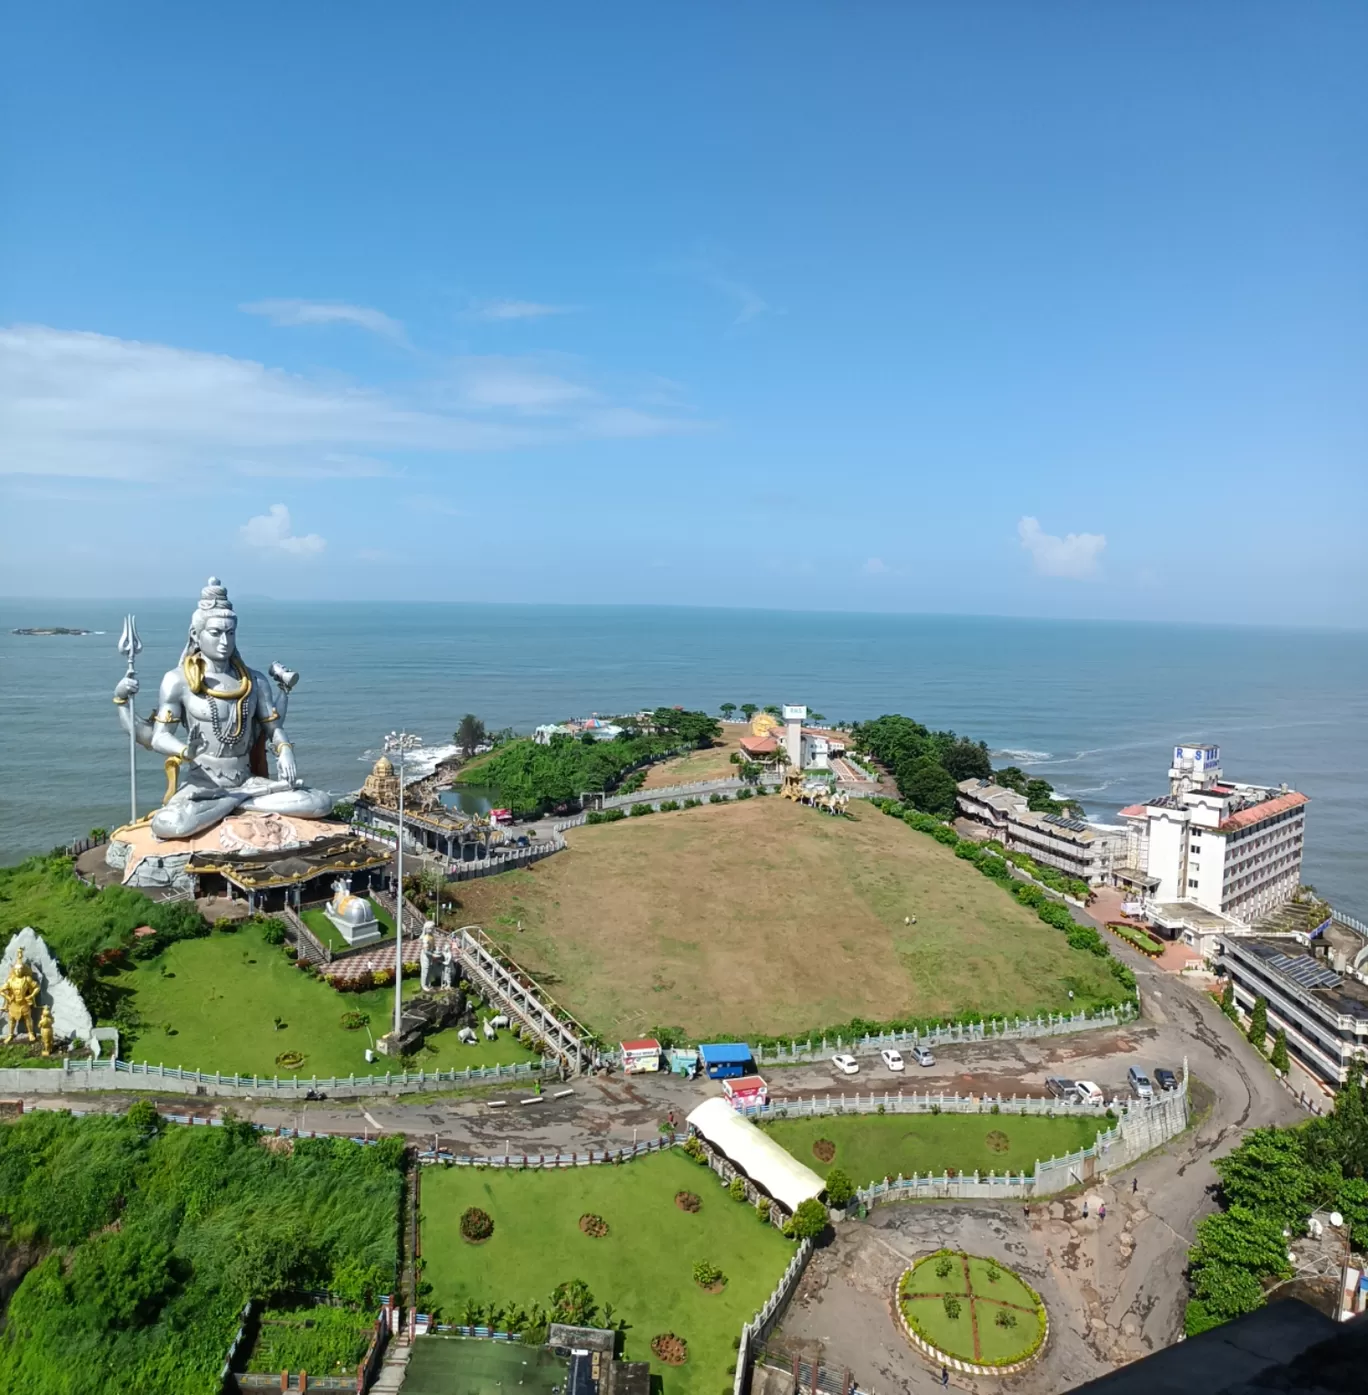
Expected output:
(285, 765)
(126, 688)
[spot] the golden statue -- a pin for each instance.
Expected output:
(45, 1029)
(20, 994)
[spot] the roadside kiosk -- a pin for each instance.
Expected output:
(726, 1059)
(641, 1056)
(746, 1091)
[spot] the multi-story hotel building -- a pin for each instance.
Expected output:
(1230, 849)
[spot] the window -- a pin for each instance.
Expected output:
(1192, 885)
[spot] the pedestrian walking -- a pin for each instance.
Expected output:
(1085, 1208)
(945, 1375)
(1135, 1185)
(1102, 1212)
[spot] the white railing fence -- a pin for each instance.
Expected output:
(759, 1327)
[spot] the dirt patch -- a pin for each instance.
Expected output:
(714, 763)
(672, 1350)
(593, 1226)
(997, 1142)
(824, 1150)
(687, 1201)
(766, 917)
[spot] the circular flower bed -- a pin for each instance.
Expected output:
(291, 1060)
(671, 1349)
(709, 1277)
(593, 1226)
(997, 1142)
(824, 1150)
(353, 1021)
(973, 1310)
(687, 1201)
(476, 1225)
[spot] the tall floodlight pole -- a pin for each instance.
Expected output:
(130, 646)
(400, 743)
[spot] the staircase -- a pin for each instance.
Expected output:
(393, 1368)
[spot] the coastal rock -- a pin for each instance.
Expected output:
(70, 1016)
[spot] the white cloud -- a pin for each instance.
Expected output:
(518, 310)
(293, 313)
(273, 532)
(79, 404)
(876, 566)
(1075, 555)
(519, 384)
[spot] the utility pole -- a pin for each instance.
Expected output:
(400, 743)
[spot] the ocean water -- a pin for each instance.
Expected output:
(1094, 707)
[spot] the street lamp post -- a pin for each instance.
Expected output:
(399, 743)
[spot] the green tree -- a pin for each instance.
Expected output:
(772, 708)
(469, 734)
(1268, 1174)
(840, 1190)
(928, 785)
(728, 710)
(1228, 999)
(573, 1304)
(1011, 777)
(816, 717)
(748, 710)
(967, 760)
(1258, 1023)
(1279, 1059)
(809, 1220)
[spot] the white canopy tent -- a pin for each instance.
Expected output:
(755, 1153)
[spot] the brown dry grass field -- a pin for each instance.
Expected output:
(767, 918)
(714, 763)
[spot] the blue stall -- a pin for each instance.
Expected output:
(726, 1059)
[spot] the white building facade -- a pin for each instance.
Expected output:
(1234, 850)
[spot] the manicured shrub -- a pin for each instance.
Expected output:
(762, 1209)
(737, 1190)
(1005, 1318)
(952, 1306)
(272, 930)
(668, 806)
(706, 1274)
(1258, 1022)
(641, 810)
(353, 1020)
(809, 1220)
(476, 1224)
(717, 799)
(840, 1190)
(605, 815)
(944, 1265)
(745, 792)
(692, 803)
(693, 1146)
(1278, 1059)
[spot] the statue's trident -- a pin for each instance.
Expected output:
(130, 646)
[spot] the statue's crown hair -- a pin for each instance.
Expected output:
(215, 596)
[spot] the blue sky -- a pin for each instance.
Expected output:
(1050, 309)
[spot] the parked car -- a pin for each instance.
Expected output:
(891, 1058)
(1062, 1089)
(1140, 1083)
(1089, 1092)
(1165, 1079)
(922, 1056)
(847, 1065)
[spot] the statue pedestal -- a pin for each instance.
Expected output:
(356, 935)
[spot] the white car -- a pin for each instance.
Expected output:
(847, 1065)
(1089, 1092)
(892, 1059)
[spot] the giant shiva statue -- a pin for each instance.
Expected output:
(231, 716)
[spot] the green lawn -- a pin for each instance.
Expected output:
(324, 1341)
(643, 1266)
(981, 1299)
(212, 1003)
(870, 1147)
(331, 936)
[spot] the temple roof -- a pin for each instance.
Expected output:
(252, 871)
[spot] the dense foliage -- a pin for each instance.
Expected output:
(928, 764)
(149, 1242)
(1274, 1181)
(534, 779)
